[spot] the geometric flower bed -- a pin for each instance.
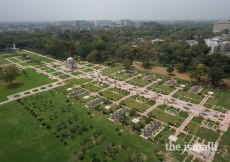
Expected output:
(119, 113)
(150, 128)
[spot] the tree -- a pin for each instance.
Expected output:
(216, 74)
(170, 69)
(127, 63)
(124, 52)
(199, 72)
(9, 73)
(94, 56)
(181, 68)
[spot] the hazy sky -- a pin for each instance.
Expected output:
(49, 10)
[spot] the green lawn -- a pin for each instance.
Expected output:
(82, 80)
(167, 89)
(140, 82)
(14, 60)
(202, 132)
(223, 153)
(197, 119)
(21, 83)
(111, 70)
(44, 59)
(87, 70)
(29, 63)
(135, 105)
(22, 136)
(183, 114)
(194, 96)
(166, 118)
(110, 95)
(92, 87)
(120, 76)
(4, 55)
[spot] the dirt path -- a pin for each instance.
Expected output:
(176, 74)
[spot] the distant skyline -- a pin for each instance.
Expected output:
(55, 10)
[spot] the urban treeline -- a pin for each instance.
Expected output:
(127, 44)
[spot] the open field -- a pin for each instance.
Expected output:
(21, 83)
(165, 117)
(135, 105)
(110, 95)
(43, 145)
(4, 55)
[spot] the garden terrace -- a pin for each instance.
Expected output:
(92, 87)
(186, 96)
(167, 118)
(138, 82)
(13, 60)
(111, 70)
(110, 95)
(135, 105)
(161, 88)
(120, 77)
(222, 98)
(82, 80)
(23, 83)
(41, 58)
(30, 63)
(202, 132)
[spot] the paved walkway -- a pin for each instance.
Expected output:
(150, 109)
(183, 125)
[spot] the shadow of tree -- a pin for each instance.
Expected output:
(14, 85)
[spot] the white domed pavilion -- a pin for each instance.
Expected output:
(70, 63)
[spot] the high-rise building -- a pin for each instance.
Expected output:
(221, 25)
(102, 23)
(79, 23)
(62, 23)
(126, 22)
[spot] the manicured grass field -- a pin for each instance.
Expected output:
(197, 119)
(21, 83)
(87, 70)
(82, 80)
(135, 105)
(13, 59)
(166, 118)
(110, 95)
(203, 133)
(29, 63)
(92, 87)
(189, 95)
(223, 153)
(141, 82)
(7, 55)
(22, 136)
(167, 89)
(111, 70)
(120, 76)
(44, 59)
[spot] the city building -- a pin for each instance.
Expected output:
(62, 23)
(213, 42)
(102, 22)
(192, 42)
(126, 22)
(221, 25)
(79, 23)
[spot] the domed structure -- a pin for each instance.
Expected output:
(70, 63)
